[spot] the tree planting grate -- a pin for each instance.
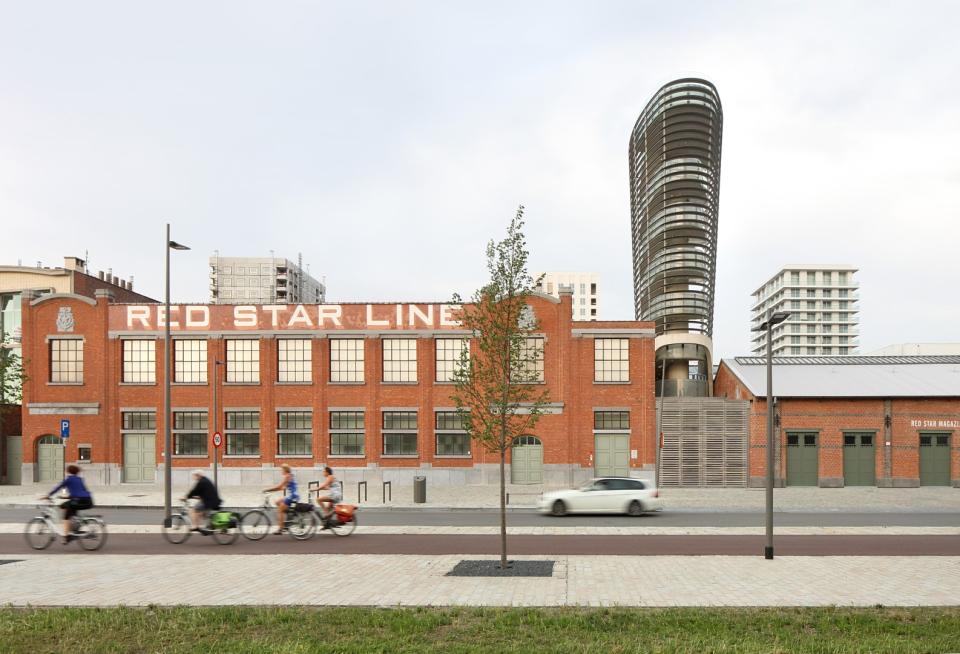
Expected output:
(3, 561)
(482, 568)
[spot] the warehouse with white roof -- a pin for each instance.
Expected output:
(886, 421)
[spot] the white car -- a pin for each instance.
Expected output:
(604, 495)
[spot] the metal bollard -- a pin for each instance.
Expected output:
(419, 489)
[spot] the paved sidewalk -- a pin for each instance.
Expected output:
(930, 499)
(107, 580)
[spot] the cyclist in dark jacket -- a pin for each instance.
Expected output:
(80, 498)
(208, 496)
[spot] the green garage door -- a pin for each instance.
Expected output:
(139, 458)
(612, 455)
(49, 459)
(802, 467)
(14, 458)
(859, 462)
(526, 461)
(934, 459)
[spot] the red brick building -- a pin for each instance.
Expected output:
(855, 420)
(361, 387)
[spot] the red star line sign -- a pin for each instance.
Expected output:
(217, 439)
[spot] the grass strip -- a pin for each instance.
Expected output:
(609, 630)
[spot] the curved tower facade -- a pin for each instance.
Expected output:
(674, 194)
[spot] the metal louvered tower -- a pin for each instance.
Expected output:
(674, 196)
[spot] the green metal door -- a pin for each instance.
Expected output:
(526, 461)
(859, 462)
(139, 458)
(612, 455)
(14, 459)
(802, 464)
(49, 459)
(934, 459)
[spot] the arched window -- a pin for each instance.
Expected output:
(526, 440)
(48, 440)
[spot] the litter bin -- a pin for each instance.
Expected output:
(419, 489)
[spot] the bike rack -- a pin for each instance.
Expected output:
(387, 485)
(364, 484)
(313, 487)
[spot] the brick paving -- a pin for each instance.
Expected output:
(109, 580)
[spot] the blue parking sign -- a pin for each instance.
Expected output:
(64, 429)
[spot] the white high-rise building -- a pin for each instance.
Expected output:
(262, 280)
(824, 314)
(586, 297)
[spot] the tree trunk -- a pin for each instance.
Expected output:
(503, 509)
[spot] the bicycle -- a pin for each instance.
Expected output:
(342, 521)
(222, 525)
(90, 530)
(300, 520)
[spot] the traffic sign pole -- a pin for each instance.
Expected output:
(64, 435)
(217, 441)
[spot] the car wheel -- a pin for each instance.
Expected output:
(635, 508)
(559, 508)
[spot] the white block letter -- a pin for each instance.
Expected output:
(415, 313)
(274, 309)
(244, 315)
(375, 323)
(300, 316)
(202, 321)
(140, 314)
(446, 315)
(331, 312)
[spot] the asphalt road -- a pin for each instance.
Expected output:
(528, 518)
(359, 543)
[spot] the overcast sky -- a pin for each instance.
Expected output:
(389, 141)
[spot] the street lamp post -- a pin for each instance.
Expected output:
(167, 449)
(772, 320)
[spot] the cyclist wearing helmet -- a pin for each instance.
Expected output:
(79, 500)
(288, 484)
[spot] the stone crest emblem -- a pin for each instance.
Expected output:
(527, 319)
(65, 319)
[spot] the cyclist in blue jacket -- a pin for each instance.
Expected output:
(80, 499)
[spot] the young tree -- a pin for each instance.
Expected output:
(496, 389)
(11, 374)
(11, 382)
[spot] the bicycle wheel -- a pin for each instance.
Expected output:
(92, 534)
(178, 531)
(302, 525)
(39, 535)
(255, 524)
(343, 528)
(225, 536)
